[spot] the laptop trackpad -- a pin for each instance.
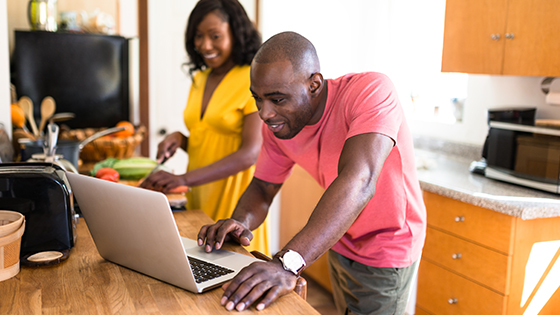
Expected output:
(192, 249)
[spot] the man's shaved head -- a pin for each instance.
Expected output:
(298, 50)
(287, 84)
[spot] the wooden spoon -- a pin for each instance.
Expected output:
(48, 107)
(27, 105)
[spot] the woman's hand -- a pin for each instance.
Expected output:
(169, 146)
(163, 181)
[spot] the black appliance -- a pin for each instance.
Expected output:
(42, 193)
(86, 74)
(522, 153)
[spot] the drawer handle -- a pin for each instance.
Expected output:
(452, 301)
(460, 219)
(456, 256)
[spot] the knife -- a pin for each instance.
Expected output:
(158, 166)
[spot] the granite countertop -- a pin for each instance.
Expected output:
(446, 172)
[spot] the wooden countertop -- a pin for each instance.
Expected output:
(87, 284)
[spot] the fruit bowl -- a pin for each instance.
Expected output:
(105, 147)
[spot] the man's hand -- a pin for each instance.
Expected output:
(224, 230)
(268, 280)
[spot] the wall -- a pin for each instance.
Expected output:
(489, 92)
(402, 38)
(4, 75)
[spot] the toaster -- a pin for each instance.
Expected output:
(42, 193)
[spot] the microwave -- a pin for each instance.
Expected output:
(523, 154)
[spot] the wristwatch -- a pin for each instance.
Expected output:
(292, 261)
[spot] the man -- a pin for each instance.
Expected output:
(350, 134)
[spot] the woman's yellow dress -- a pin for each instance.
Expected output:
(215, 135)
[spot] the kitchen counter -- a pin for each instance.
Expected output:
(87, 284)
(447, 174)
(490, 244)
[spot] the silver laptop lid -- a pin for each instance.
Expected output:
(134, 228)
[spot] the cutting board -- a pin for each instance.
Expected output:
(176, 200)
(548, 123)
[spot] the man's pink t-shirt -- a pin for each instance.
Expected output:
(390, 230)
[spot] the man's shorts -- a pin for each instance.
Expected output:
(362, 289)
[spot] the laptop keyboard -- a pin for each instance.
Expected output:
(204, 271)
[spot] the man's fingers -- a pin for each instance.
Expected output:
(257, 291)
(217, 234)
(273, 294)
(202, 235)
(240, 297)
(245, 238)
(210, 237)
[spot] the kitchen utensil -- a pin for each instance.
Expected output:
(100, 134)
(61, 117)
(158, 167)
(69, 149)
(12, 226)
(26, 105)
(48, 107)
(10, 222)
(49, 146)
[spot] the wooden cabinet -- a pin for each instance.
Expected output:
(479, 261)
(300, 193)
(509, 37)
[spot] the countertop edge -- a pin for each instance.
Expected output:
(443, 169)
(523, 210)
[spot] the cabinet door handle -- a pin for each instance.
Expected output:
(510, 35)
(452, 301)
(456, 256)
(459, 218)
(495, 36)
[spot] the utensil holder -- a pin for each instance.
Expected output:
(12, 226)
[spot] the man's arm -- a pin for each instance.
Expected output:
(360, 164)
(359, 167)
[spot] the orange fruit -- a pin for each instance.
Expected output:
(18, 117)
(128, 129)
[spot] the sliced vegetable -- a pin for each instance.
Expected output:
(108, 173)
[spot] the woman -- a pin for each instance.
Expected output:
(221, 115)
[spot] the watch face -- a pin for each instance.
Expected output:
(293, 261)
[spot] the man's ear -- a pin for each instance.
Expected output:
(316, 83)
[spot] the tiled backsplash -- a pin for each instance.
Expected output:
(444, 147)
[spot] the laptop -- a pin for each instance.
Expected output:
(135, 228)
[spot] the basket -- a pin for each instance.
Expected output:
(104, 147)
(12, 226)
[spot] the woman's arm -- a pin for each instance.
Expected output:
(234, 163)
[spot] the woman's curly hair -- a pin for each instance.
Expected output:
(246, 38)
